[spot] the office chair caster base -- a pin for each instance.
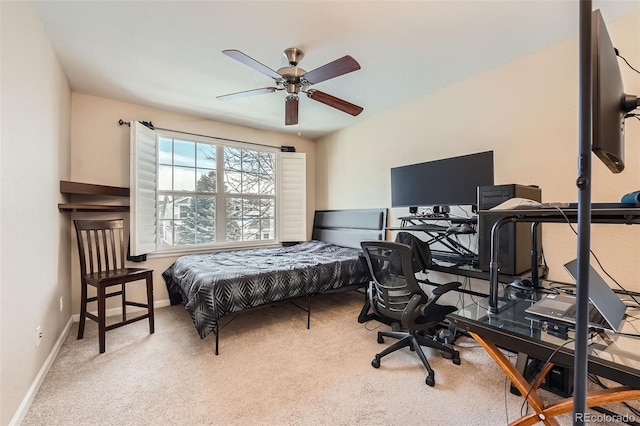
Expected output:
(456, 360)
(376, 362)
(380, 338)
(430, 381)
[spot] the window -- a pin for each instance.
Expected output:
(186, 191)
(249, 185)
(211, 192)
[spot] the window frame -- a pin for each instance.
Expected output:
(290, 208)
(220, 195)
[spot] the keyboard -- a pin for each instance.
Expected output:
(595, 317)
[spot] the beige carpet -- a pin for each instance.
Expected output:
(271, 371)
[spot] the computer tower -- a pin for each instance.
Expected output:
(514, 256)
(559, 381)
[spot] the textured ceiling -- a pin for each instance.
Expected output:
(168, 54)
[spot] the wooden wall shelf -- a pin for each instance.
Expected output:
(89, 190)
(81, 207)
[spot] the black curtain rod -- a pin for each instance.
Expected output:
(150, 125)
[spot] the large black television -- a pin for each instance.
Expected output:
(610, 104)
(447, 182)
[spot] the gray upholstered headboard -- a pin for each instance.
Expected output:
(348, 227)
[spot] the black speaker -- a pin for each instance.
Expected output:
(514, 256)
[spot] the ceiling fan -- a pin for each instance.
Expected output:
(295, 80)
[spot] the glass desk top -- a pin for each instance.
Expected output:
(612, 355)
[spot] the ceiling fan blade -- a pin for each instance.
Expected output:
(341, 66)
(334, 102)
(291, 110)
(249, 61)
(247, 93)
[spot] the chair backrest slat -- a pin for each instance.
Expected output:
(391, 268)
(100, 244)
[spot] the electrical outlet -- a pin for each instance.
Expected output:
(38, 335)
(61, 303)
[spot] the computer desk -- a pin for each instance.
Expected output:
(613, 356)
(612, 214)
(600, 213)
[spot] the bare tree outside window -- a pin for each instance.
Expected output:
(189, 193)
(249, 183)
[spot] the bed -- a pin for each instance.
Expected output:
(213, 285)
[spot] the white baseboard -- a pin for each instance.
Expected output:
(118, 311)
(33, 389)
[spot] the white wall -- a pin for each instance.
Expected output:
(35, 244)
(527, 113)
(100, 154)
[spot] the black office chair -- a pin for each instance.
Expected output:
(395, 295)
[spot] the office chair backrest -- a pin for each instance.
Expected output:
(100, 244)
(394, 283)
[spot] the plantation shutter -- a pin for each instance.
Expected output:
(293, 200)
(143, 189)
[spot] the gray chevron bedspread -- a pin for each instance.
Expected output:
(215, 284)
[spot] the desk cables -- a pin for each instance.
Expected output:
(624, 290)
(534, 383)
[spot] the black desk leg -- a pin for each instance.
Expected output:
(535, 279)
(522, 361)
(494, 265)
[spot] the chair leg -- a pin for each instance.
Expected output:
(393, 334)
(150, 302)
(402, 343)
(124, 302)
(405, 340)
(83, 310)
(102, 304)
(430, 373)
(443, 348)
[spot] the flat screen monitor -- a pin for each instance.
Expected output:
(447, 182)
(610, 103)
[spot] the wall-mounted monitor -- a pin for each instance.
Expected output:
(446, 182)
(610, 103)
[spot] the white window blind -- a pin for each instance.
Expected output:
(293, 201)
(143, 189)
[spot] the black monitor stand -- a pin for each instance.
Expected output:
(584, 213)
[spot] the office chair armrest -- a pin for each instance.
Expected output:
(410, 312)
(442, 289)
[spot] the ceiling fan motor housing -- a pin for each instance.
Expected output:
(292, 77)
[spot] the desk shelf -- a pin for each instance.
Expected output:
(442, 239)
(92, 191)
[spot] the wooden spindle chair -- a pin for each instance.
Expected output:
(102, 255)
